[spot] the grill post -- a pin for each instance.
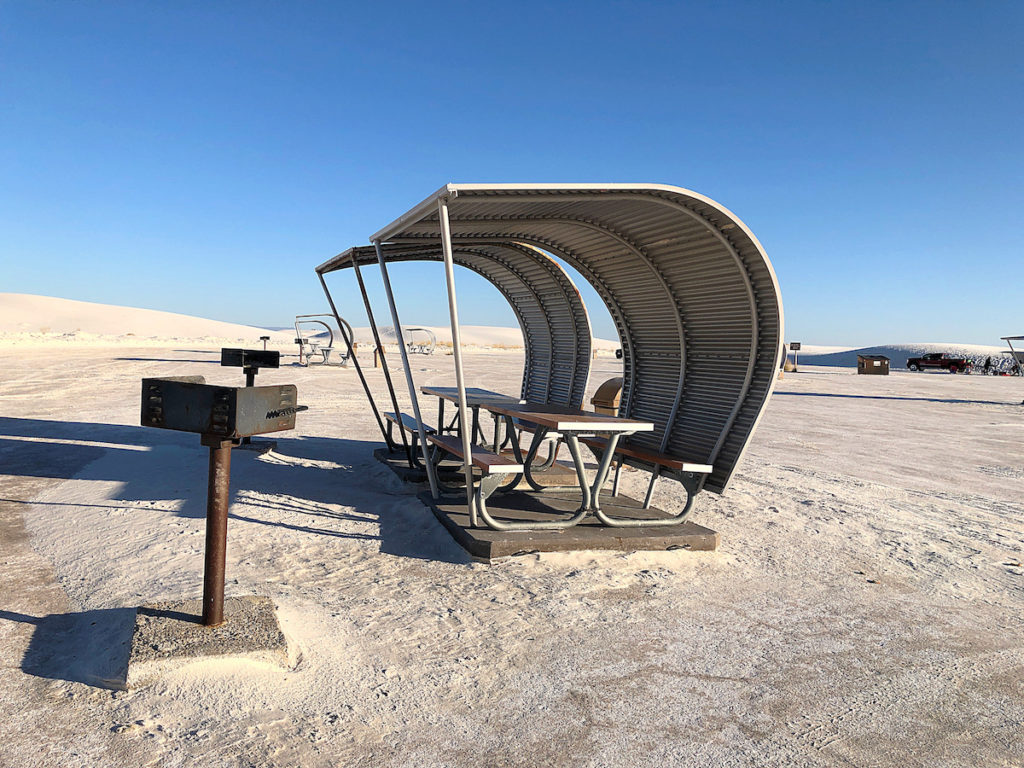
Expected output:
(216, 528)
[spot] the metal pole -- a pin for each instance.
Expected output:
(408, 371)
(355, 361)
(460, 382)
(1016, 362)
(250, 381)
(380, 352)
(217, 496)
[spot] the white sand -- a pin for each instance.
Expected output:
(44, 321)
(866, 606)
(27, 319)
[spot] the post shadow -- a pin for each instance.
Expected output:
(90, 647)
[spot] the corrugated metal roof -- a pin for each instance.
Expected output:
(551, 313)
(691, 291)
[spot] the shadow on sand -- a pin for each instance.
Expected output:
(89, 647)
(165, 360)
(951, 401)
(304, 481)
(305, 478)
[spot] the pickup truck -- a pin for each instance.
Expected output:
(940, 361)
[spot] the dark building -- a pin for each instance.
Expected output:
(877, 365)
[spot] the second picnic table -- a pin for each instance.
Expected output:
(475, 398)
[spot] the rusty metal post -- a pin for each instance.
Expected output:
(217, 497)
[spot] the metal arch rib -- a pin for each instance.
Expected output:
(655, 197)
(555, 279)
(653, 193)
(754, 325)
(432, 253)
(412, 247)
(581, 330)
(604, 291)
(637, 251)
(564, 284)
(529, 372)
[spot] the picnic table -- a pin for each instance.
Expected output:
(475, 399)
(546, 421)
(570, 424)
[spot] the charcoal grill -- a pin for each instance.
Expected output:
(222, 416)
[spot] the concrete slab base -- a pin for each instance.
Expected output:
(169, 636)
(488, 544)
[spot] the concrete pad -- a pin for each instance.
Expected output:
(487, 544)
(169, 636)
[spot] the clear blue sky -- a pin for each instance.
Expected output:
(204, 157)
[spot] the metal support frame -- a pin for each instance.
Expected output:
(383, 359)
(690, 481)
(431, 476)
(460, 381)
(1013, 355)
(355, 361)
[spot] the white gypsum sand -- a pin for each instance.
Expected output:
(865, 606)
(44, 321)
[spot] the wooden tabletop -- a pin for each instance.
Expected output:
(474, 395)
(564, 419)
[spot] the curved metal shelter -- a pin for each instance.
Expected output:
(691, 291)
(551, 313)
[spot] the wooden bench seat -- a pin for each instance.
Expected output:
(489, 463)
(652, 457)
(407, 422)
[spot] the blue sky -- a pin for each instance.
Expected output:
(204, 157)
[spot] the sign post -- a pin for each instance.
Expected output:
(795, 347)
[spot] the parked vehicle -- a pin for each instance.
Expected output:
(940, 361)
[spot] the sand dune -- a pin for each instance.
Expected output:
(41, 320)
(24, 314)
(897, 353)
(28, 319)
(472, 335)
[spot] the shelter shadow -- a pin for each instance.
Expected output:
(310, 476)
